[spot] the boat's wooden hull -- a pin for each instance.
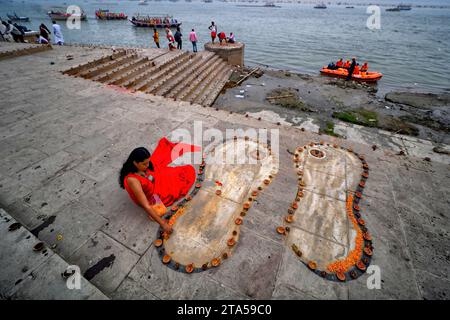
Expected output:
(144, 24)
(60, 17)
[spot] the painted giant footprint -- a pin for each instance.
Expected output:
(207, 222)
(324, 226)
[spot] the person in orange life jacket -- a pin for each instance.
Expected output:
(365, 67)
(346, 64)
(340, 63)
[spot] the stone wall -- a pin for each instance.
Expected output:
(232, 53)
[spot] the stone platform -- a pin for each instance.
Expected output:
(63, 140)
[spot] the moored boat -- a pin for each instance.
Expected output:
(154, 22)
(320, 6)
(106, 15)
(361, 76)
(15, 17)
(60, 15)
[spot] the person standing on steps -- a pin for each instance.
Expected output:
(193, 39)
(59, 39)
(178, 39)
(156, 37)
(213, 28)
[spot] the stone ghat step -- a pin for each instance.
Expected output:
(127, 73)
(168, 67)
(141, 77)
(31, 274)
(198, 79)
(213, 85)
(213, 96)
(23, 51)
(163, 83)
(180, 79)
(201, 89)
(74, 71)
(120, 70)
(105, 67)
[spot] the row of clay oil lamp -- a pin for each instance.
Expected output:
(231, 242)
(159, 242)
(361, 266)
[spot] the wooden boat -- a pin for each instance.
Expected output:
(320, 6)
(343, 73)
(155, 22)
(15, 17)
(106, 15)
(59, 15)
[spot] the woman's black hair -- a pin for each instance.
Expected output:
(138, 155)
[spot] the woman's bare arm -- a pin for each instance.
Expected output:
(135, 185)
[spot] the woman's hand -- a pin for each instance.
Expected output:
(167, 228)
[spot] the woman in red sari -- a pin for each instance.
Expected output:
(144, 175)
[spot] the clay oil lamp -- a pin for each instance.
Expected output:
(231, 242)
(266, 181)
(174, 208)
(367, 236)
(361, 266)
(254, 193)
(218, 192)
(362, 184)
(353, 274)
(312, 265)
(166, 259)
(365, 166)
(291, 211)
(294, 205)
(246, 206)
(356, 207)
(38, 246)
(205, 266)
(340, 276)
(215, 262)
(365, 175)
(158, 243)
(198, 185)
(234, 233)
(358, 194)
(189, 268)
(238, 221)
(242, 214)
(368, 251)
(361, 222)
(289, 218)
(225, 255)
(281, 230)
(188, 198)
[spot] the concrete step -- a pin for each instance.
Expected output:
(192, 84)
(28, 274)
(128, 73)
(161, 74)
(105, 67)
(139, 78)
(120, 70)
(181, 78)
(209, 99)
(74, 71)
(23, 51)
(204, 85)
(164, 84)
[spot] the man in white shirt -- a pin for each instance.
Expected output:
(59, 39)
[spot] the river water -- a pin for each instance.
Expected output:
(411, 49)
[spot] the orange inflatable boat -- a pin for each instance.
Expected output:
(343, 73)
